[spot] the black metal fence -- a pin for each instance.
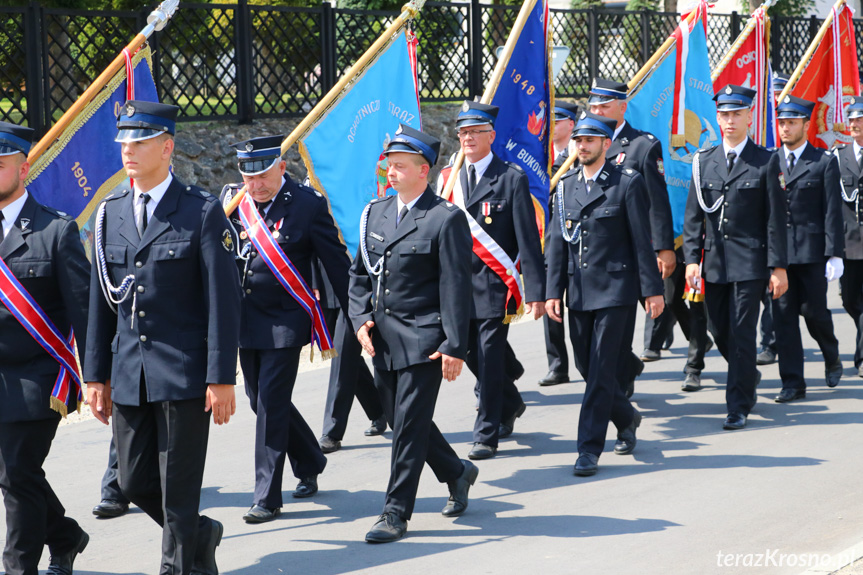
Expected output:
(238, 61)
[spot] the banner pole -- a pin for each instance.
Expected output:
(493, 82)
(811, 50)
(156, 21)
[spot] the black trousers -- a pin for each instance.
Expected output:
(555, 344)
(806, 296)
(732, 312)
(851, 283)
(349, 377)
(698, 338)
(280, 430)
(110, 484)
(656, 331)
(34, 515)
(161, 450)
(768, 332)
(409, 396)
(598, 341)
(629, 365)
(490, 358)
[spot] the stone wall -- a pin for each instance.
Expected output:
(203, 154)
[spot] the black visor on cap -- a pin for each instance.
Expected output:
(137, 134)
(257, 166)
(9, 150)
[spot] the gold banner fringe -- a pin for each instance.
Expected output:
(61, 407)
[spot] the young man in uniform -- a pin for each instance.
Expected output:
(735, 217)
(599, 252)
(410, 305)
(165, 357)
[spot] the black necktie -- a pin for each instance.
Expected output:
(2, 235)
(791, 158)
(732, 155)
(471, 180)
(860, 159)
(262, 207)
(402, 214)
(142, 216)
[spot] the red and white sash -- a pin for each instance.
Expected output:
(490, 252)
(37, 323)
(286, 273)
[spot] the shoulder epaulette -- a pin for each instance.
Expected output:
(516, 166)
(54, 212)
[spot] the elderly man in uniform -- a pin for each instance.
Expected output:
(565, 116)
(41, 255)
(851, 169)
(601, 206)
(283, 227)
(816, 244)
(162, 337)
(410, 304)
(642, 152)
(735, 217)
(496, 196)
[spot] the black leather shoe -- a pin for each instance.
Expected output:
(650, 355)
(482, 451)
(626, 437)
(389, 527)
(833, 374)
(61, 563)
(554, 378)
(507, 426)
(734, 421)
(377, 427)
(766, 357)
(790, 394)
(259, 514)
(328, 444)
(209, 536)
(860, 371)
(669, 341)
(307, 487)
(586, 465)
(108, 509)
(692, 382)
(458, 489)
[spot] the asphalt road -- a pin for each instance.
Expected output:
(782, 496)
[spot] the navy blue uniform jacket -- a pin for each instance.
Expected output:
(271, 318)
(424, 301)
(187, 314)
(753, 236)
(852, 212)
(813, 203)
(44, 252)
(614, 262)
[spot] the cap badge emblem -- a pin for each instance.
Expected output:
(728, 90)
(249, 146)
(130, 110)
(465, 107)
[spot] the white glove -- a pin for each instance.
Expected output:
(835, 268)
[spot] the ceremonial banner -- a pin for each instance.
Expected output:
(343, 152)
(75, 173)
(748, 64)
(652, 108)
(830, 79)
(526, 104)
